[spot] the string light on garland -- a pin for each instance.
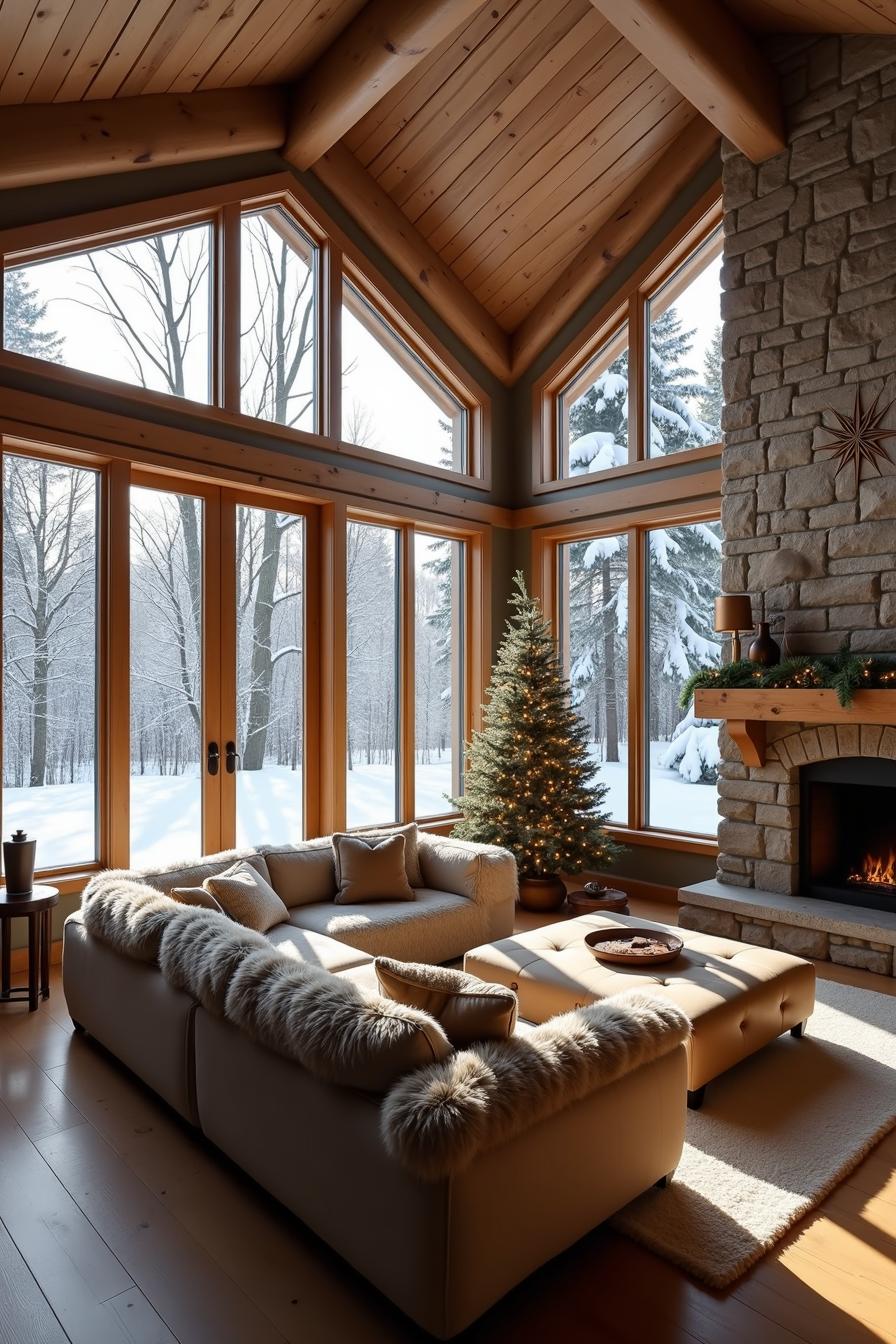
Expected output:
(843, 672)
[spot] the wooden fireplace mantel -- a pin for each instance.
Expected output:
(746, 712)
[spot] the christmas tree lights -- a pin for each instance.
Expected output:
(530, 783)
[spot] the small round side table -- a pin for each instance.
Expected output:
(584, 903)
(37, 906)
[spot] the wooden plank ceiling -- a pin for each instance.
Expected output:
(516, 139)
(492, 158)
(67, 50)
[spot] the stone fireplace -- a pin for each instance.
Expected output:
(809, 317)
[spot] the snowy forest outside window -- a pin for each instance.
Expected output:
(602, 620)
(606, 408)
(270, 675)
(373, 674)
(50, 658)
(138, 311)
(683, 578)
(278, 277)
(595, 638)
(684, 355)
(439, 663)
(391, 401)
(167, 757)
(593, 412)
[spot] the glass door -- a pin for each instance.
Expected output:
(175, 748)
(265, 744)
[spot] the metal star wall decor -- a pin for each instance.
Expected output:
(859, 437)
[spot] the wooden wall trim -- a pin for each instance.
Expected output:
(31, 417)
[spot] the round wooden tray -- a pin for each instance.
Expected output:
(673, 942)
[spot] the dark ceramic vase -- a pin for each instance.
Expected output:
(18, 864)
(764, 651)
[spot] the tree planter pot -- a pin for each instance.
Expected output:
(541, 893)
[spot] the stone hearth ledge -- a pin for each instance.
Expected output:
(825, 930)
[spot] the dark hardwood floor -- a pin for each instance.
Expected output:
(118, 1223)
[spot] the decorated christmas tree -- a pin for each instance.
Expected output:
(530, 783)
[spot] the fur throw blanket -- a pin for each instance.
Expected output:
(201, 950)
(437, 1120)
(128, 915)
(328, 1024)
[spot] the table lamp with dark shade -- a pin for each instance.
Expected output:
(734, 612)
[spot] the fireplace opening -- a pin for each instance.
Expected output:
(848, 832)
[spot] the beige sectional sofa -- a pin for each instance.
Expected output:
(444, 1176)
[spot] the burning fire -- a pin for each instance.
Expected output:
(876, 872)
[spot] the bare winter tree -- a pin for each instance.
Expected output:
(152, 292)
(48, 596)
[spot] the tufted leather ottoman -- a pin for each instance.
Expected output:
(739, 997)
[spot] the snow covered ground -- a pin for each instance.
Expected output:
(165, 809)
(675, 804)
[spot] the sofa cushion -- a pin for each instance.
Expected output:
(436, 926)
(329, 1025)
(193, 872)
(411, 846)
(196, 896)
(247, 898)
(302, 874)
(370, 870)
(316, 948)
(468, 1009)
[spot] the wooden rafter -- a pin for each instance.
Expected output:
(411, 254)
(655, 191)
(48, 142)
(386, 40)
(713, 61)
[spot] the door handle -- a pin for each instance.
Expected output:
(214, 758)
(231, 756)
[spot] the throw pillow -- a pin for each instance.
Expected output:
(246, 897)
(467, 1008)
(370, 872)
(196, 896)
(411, 847)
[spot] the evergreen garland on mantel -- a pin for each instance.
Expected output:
(843, 672)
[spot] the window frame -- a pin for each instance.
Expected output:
(474, 646)
(547, 585)
(326, 516)
(223, 208)
(628, 310)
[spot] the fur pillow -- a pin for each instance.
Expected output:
(246, 897)
(196, 896)
(411, 846)
(370, 870)
(328, 1024)
(469, 1009)
(439, 1119)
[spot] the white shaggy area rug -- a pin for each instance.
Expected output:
(776, 1134)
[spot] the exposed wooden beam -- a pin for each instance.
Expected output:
(655, 191)
(713, 61)
(48, 142)
(375, 211)
(378, 48)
